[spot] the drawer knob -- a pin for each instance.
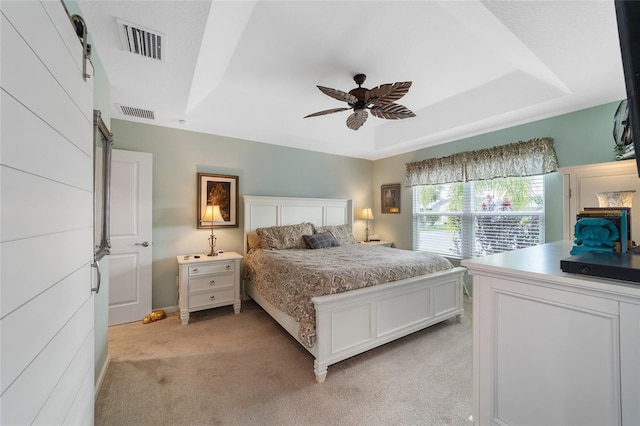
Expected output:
(228, 267)
(213, 297)
(212, 282)
(195, 271)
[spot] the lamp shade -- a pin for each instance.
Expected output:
(366, 214)
(212, 214)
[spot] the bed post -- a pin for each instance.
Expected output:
(320, 371)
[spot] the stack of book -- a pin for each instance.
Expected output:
(620, 216)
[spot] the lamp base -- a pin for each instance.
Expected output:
(212, 244)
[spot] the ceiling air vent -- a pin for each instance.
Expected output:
(142, 41)
(137, 112)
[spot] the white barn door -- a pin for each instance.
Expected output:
(46, 217)
(131, 239)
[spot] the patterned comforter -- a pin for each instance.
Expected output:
(290, 278)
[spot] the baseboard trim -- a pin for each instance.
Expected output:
(169, 309)
(100, 381)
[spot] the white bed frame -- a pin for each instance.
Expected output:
(353, 322)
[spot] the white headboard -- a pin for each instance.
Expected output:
(260, 212)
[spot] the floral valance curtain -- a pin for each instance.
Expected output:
(533, 157)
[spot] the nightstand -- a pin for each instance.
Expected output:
(206, 282)
(378, 243)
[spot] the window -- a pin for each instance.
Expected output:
(478, 218)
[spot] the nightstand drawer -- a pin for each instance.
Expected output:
(208, 298)
(212, 281)
(210, 268)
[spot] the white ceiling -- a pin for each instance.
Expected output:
(248, 69)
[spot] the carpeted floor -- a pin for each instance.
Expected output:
(227, 369)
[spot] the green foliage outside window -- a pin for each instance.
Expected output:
(497, 231)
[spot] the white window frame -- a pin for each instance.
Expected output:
(468, 218)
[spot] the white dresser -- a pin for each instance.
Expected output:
(551, 348)
(208, 282)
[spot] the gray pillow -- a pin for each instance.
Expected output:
(321, 240)
(342, 233)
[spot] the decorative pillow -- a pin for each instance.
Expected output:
(284, 237)
(253, 240)
(342, 233)
(321, 240)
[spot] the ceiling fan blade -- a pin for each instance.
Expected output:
(326, 111)
(357, 119)
(339, 95)
(392, 111)
(387, 93)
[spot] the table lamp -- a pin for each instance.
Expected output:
(366, 215)
(212, 214)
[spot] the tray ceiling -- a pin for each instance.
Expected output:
(249, 69)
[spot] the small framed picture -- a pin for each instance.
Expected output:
(390, 198)
(221, 191)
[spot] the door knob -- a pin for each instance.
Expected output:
(143, 244)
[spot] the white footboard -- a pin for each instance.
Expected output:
(353, 322)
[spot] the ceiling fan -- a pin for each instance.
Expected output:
(379, 100)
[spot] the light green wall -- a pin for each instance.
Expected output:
(102, 102)
(263, 169)
(582, 137)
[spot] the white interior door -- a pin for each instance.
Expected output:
(131, 243)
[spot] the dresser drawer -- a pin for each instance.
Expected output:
(211, 298)
(211, 268)
(212, 281)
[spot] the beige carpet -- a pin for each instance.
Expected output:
(227, 369)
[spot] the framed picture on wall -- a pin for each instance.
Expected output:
(390, 198)
(221, 191)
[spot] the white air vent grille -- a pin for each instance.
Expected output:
(137, 112)
(142, 41)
